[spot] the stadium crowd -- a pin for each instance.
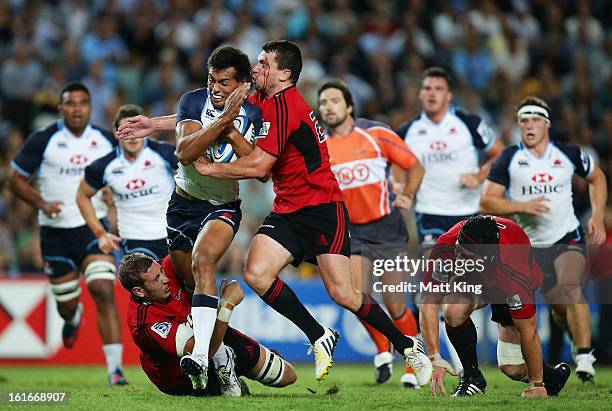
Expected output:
(149, 52)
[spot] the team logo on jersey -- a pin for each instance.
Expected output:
(523, 163)
(542, 178)
(135, 184)
(62, 144)
(514, 302)
(452, 131)
(162, 329)
(210, 113)
(94, 144)
(147, 164)
(438, 145)
(225, 216)
(557, 163)
(117, 171)
(421, 132)
(78, 159)
(265, 127)
(584, 157)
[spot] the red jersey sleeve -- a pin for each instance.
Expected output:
(277, 125)
(394, 148)
(444, 249)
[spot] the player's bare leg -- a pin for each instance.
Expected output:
(266, 258)
(383, 360)
(569, 268)
(100, 274)
(335, 273)
(212, 241)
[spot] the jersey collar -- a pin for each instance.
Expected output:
(124, 157)
(62, 126)
(546, 154)
(429, 122)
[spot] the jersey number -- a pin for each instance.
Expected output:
(317, 126)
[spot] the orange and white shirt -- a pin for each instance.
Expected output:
(361, 161)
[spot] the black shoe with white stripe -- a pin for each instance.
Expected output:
(323, 349)
(471, 384)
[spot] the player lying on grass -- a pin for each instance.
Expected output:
(160, 324)
(503, 263)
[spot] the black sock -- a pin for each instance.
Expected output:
(282, 298)
(463, 339)
(584, 350)
(371, 313)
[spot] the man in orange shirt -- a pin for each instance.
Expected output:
(361, 154)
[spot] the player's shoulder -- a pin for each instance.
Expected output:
(569, 149)
(510, 232)
(194, 97)
(450, 237)
(465, 116)
(159, 146)
(252, 111)
(103, 162)
(107, 134)
(508, 153)
(43, 135)
(405, 127)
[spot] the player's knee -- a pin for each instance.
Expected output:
(455, 314)
(67, 297)
(257, 281)
(396, 310)
(343, 297)
(67, 309)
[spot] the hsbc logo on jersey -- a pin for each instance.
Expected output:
(347, 175)
(542, 186)
(135, 184)
(137, 190)
(542, 178)
(78, 159)
(438, 146)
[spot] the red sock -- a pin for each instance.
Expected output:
(381, 342)
(408, 326)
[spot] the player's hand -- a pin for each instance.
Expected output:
(52, 208)
(535, 392)
(596, 232)
(108, 243)
(402, 201)
(135, 127)
(234, 101)
(469, 181)
(441, 367)
(232, 292)
(203, 165)
(537, 206)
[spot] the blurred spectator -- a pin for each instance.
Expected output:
(473, 63)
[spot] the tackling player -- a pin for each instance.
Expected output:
(533, 181)
(361, 153)
(503, 263)
(309, 221)
(204, 212)
(140, 176)
(57, 156)
(161, 327)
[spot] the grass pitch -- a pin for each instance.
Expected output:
(348, 387)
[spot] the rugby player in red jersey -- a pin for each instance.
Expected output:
(160, 323)
(503, 263)
(309, 221)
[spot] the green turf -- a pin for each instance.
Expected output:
(88, 390)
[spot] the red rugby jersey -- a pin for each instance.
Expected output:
(291, 132)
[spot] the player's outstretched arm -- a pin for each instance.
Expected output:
(142, 126)
(258, 165)
(531, 349)
(428, 318)
(107, 242)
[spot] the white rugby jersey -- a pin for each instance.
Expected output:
(196, 105)
(526, 177)
(447, 150)
(58, 159)
(141, 188)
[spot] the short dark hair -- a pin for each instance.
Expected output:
(132, 267)
(225, 57)
(439, 72)
(339, 85)
(533, 101)
(125, 111)
(288, 57)
(74, 86)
